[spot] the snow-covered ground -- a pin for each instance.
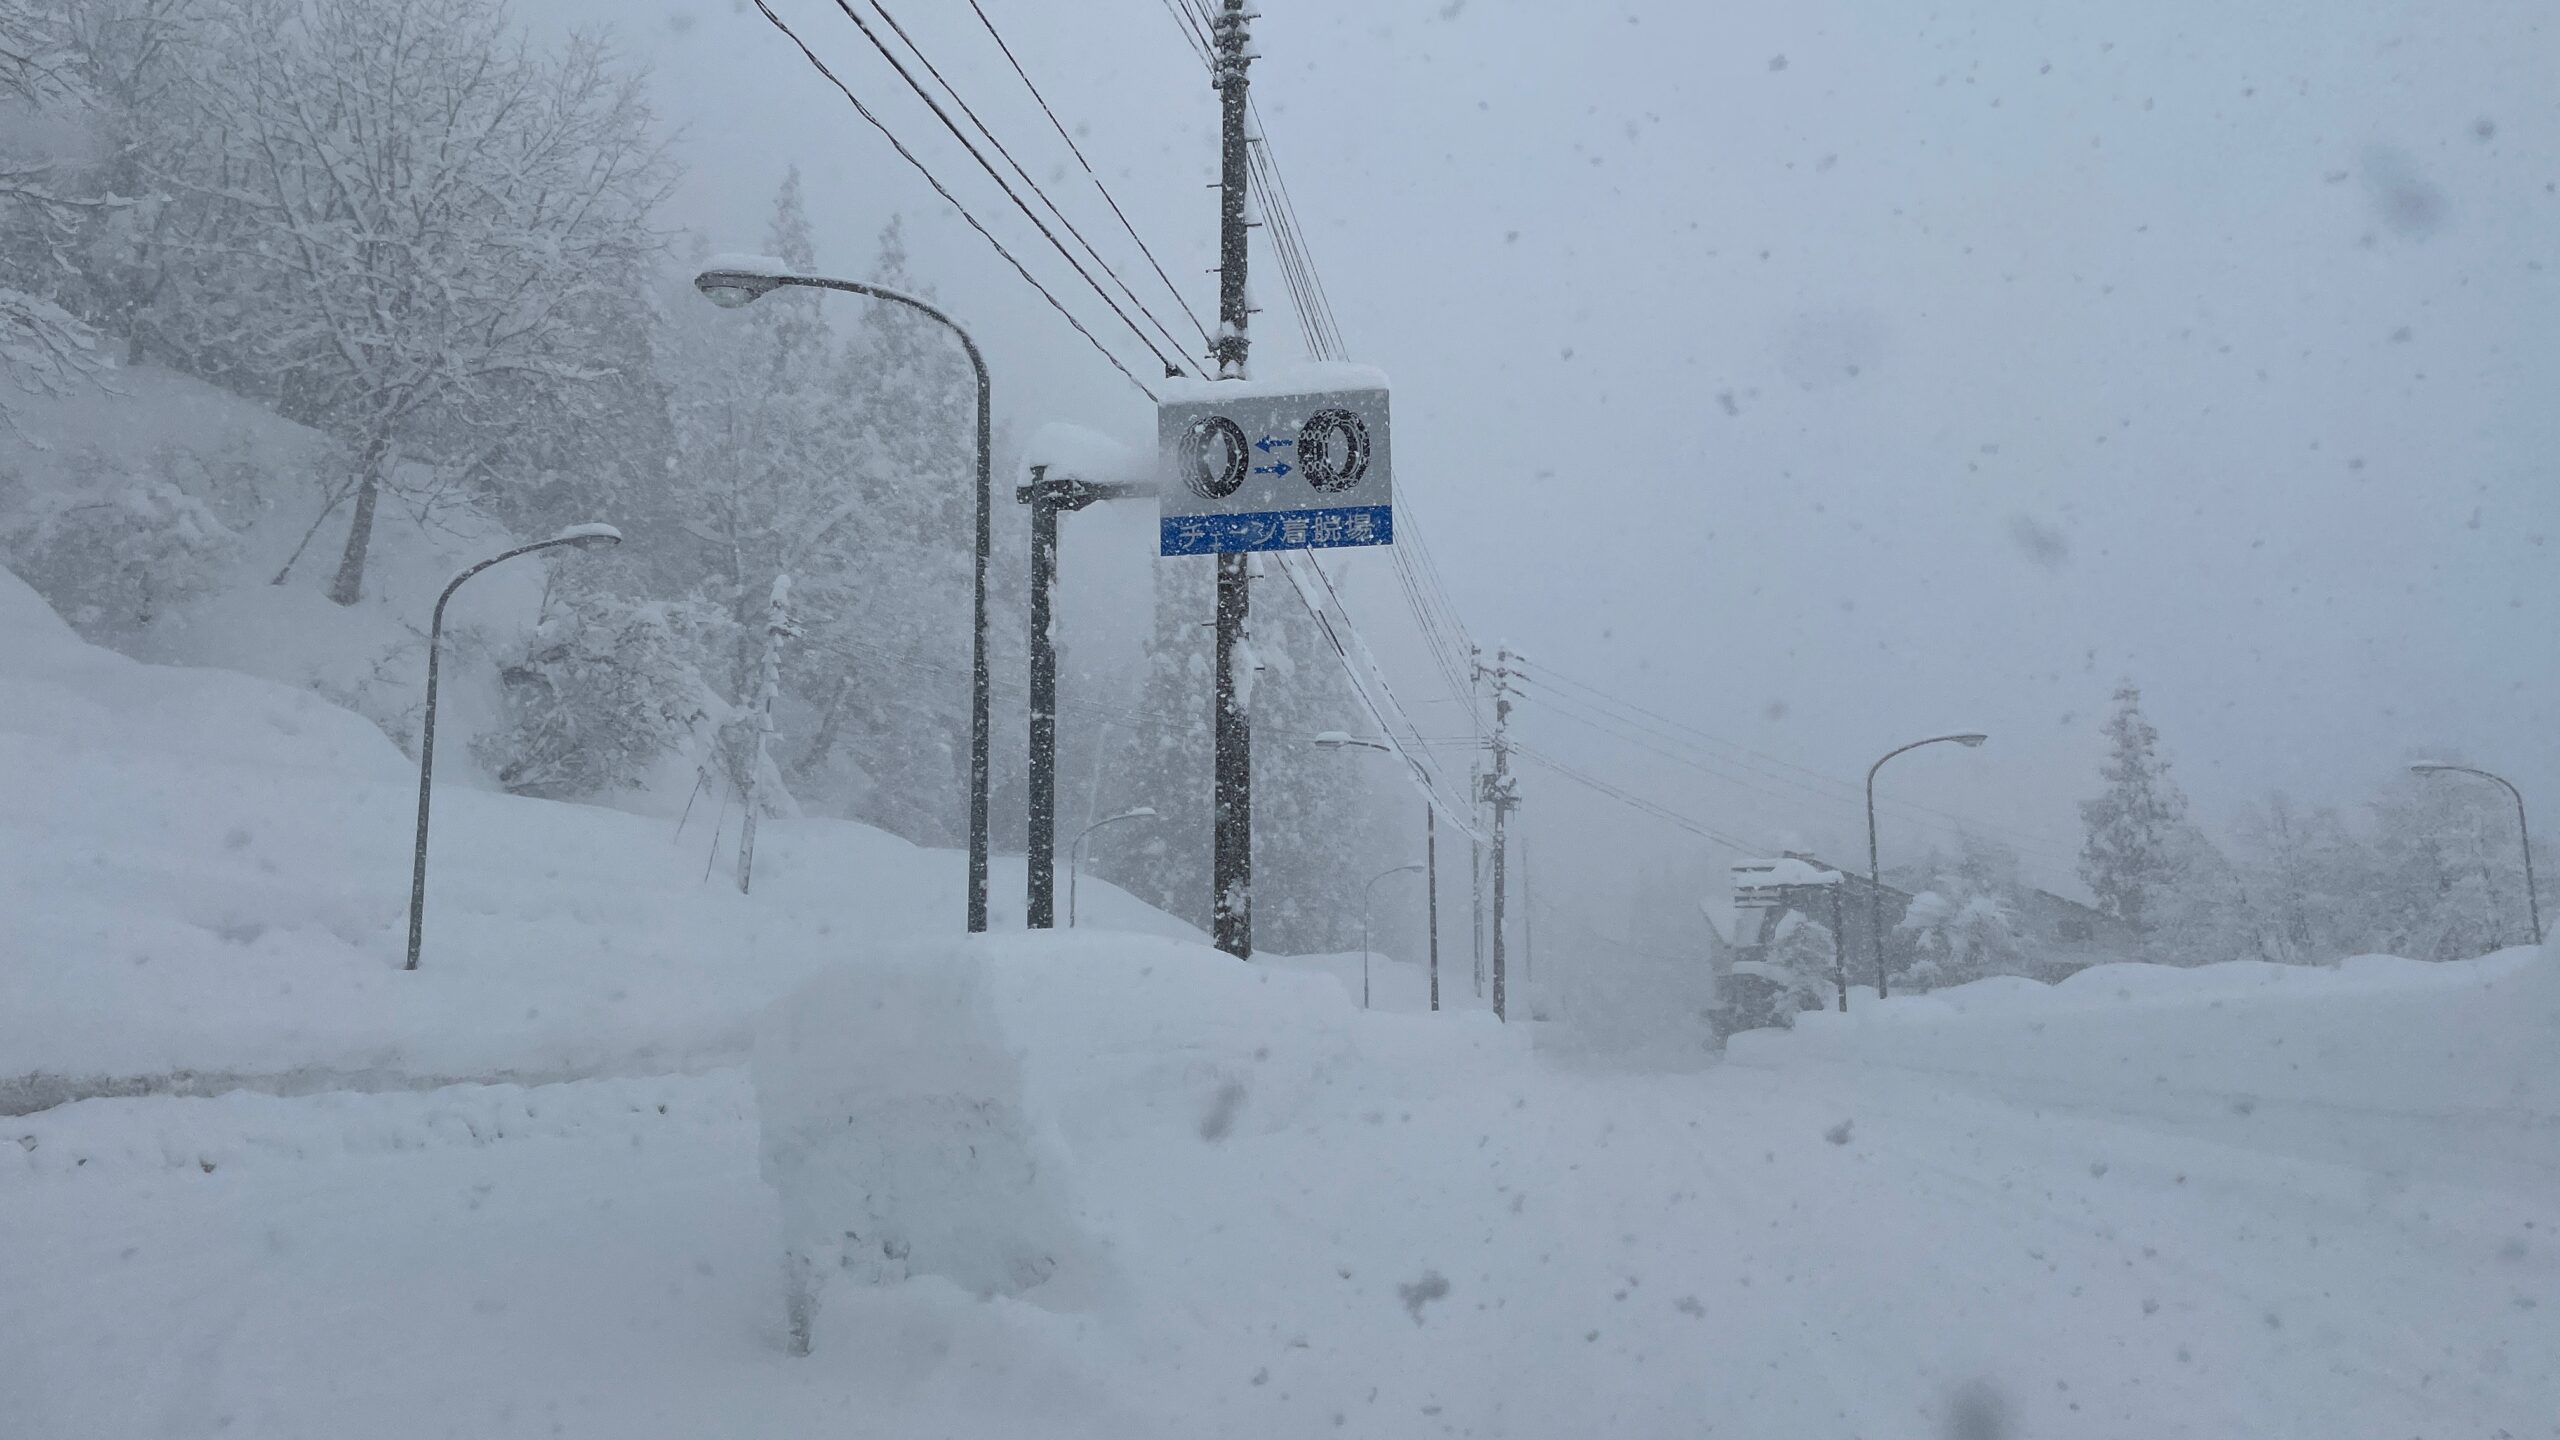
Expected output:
(2215, 1203)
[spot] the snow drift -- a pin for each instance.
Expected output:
(2394, 1065)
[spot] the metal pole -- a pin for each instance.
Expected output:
(980, 726)
(746, 286)
(1040, 907)
(1875, 886)
(1368, 893)
(1231, 836)
(1839, 956)
(1431, 890)
(427, 729)
(1875, 874)
(1075, 851)
(2524, 836)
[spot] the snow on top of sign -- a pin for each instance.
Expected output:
(1074, 452)
(1302, 378)
(1787, 871)
(750, 263)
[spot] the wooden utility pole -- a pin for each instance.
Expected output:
(1431, 889)
(1231, 836)
(1500, 793)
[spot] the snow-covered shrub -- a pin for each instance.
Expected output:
(112, 549)
(1957, 937)
(607, 687)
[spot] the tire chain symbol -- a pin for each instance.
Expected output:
(1315, 450)
(1222, 481)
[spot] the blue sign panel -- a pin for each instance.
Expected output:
(1319, 529)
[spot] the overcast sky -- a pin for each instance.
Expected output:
(1825, 374)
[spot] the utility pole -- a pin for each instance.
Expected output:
(1040, 854)
(1503, 796)
(1528, 921)
(1231, 836)
(1431, 890)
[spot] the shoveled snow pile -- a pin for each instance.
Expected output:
(2440, 1068)
(892, 1114)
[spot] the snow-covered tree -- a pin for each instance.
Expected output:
(2129, 855)
(886, 679)
(1807, 950)
(606, 690)
(429, 199)
(1167, 760)
(1958, 934)
(43, 347)
(2309, 881)
(2448, 876)
(1315, 838)
(113, 549)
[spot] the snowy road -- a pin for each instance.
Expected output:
(1455, 1239)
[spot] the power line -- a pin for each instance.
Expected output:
(953, 200)
(1090, 174)
(1680, 732)
(1659, 812)
(975, 154)
(1025, 175)
(1570, 709)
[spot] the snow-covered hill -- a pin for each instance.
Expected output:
(201, 871)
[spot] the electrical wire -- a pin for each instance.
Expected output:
(1658, 811)
(945, 192)
(1554, 704)
(1078, 151)
(984, 164)
(1025, 176)
(1665, 728)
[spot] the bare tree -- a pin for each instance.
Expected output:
(42, 346)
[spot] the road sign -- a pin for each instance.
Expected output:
(1246, 469)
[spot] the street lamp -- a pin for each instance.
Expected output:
(2524, 836)
(732, 288)
(1074, 851)
(1343, 740)
(576, 537)
(1875, 875)
(1365, 892)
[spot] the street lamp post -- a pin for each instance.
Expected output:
(732, 288)
(1075, 851)
(578, 537)
(1875, 874)
(1338, 740)
(1365, 893)
(2524, 835)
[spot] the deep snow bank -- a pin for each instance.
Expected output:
(2436, 1069)
(205, 872)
